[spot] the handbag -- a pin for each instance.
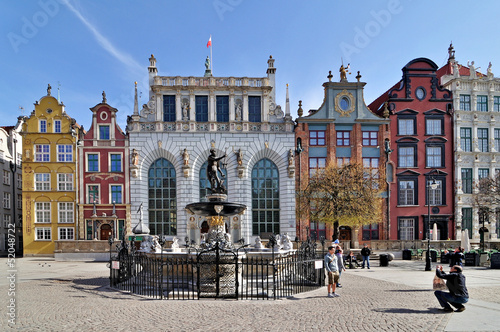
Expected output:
(438, 284)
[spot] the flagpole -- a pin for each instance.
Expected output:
(211, 60)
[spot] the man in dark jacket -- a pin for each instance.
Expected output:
(458, 295)
(365, 252)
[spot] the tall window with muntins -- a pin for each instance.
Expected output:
(57, 126)
(265, 198)
(406, 227)
(343, 138)
(42, 212)
(467, 220)
(433, 125)
(43, 126)
(201, 108)
(315, 164)
(42, 152)
(482, 139)
(435, 196)
(93, 194)
(65, 153)
(497, 139)
(92, 162)
(407, 155)
(406, 125)
(466, 139)
(371, 170)
(42, 181)
(104, 132)
(370, 232)
(116, 194)
(222, 108)
(65, 182)
(168, 108)
(467, 180)
(465, 102)
(482, 103)
(6, 177)
(66, 214)
(116, 162)
(496, 105)
(6, 200)
(317, 138)
(254, 109)
(162, 194)
(434, 156)
(205, 184)
(370, 138)
(407, 192)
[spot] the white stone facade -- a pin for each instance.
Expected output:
(272, 138)
(485, 117)
(11, 190)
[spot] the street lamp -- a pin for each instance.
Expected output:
(430, 186)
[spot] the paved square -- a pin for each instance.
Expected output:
(74, 296)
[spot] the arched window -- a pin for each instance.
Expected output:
(162, 198)
(204, 183)
(265, 198)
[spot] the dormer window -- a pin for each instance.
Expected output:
(43, 126)
(57, 126)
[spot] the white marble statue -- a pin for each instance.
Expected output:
(287, 243)
(258, 243)
(175, 243)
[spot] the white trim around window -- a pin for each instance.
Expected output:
(111, 200)
(42, 181)
(87, 154)
(42, 212)
(66, 233)
(65, 181)
(66, 212)
(43, 234)
(110, 162)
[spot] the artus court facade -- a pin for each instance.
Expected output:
(173, 134)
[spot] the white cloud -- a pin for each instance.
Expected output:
(121, 56)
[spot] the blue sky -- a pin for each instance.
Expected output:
(91, 46)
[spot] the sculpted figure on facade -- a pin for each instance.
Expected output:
(238, 112)
(185, 115)
(185, 157)
(135, 157)
(239, 157)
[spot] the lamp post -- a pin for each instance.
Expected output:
(430, 186)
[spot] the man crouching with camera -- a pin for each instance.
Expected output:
(458, 295)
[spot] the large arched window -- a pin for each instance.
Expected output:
(204, 183)
(162, 198)
(265, 198)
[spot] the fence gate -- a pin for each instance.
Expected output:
(217, 273)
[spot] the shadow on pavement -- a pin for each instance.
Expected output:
(408, 311)
(408, 290)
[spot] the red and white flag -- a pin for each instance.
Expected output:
(209, 41)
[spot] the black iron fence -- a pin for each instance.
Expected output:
(218, 272)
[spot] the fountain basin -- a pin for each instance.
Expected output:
(207, 209)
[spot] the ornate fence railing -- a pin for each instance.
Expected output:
(218, 272)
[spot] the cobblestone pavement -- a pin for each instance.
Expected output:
(73, 296)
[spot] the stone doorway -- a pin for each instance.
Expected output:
(105, 232)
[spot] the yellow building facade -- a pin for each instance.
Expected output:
(50, 187)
